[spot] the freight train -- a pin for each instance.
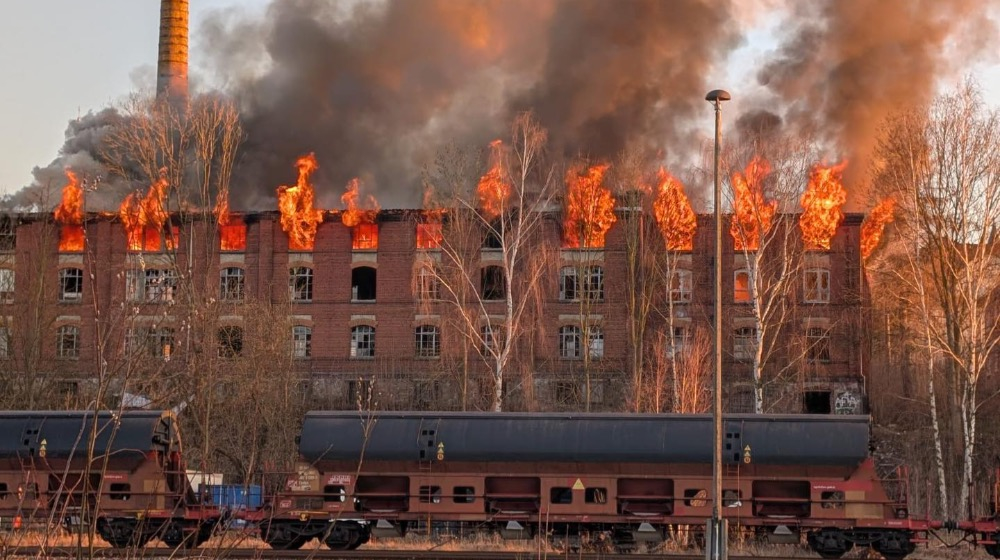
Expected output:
(614, 479)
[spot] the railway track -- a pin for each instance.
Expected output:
(266, 554)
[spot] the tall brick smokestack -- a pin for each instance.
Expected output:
(172, 62)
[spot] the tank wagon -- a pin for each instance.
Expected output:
(618, 478)
(124, 470)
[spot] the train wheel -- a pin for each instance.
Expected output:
(281, 537)
(993, 549)
(894, 545)
(173, 535)
(122, 533)
(346, 536)
(829, 543)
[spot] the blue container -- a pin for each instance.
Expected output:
(235, 496)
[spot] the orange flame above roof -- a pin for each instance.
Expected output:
(298, 217)
(822, 204)
(493, 188)
(874, 225)
(354, 213)
(144, 218)
(589, 209)
(70, 214)
(674, 213)
(753, 215)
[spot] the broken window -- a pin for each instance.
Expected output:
(300, 284)
(363, 280)
(70, 284)
(492, 283)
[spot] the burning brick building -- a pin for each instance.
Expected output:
(358, 309)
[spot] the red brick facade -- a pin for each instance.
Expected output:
(47, 305)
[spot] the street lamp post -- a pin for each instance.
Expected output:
(715, 541)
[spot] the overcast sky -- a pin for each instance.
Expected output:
(62, 58)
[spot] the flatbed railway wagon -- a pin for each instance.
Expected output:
(623, 478)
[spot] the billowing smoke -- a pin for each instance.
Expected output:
(376, 91)
(376, 88)
(847, 64)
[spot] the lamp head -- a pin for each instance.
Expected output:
(717, 95)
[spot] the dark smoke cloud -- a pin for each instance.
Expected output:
(375, 91)
(847, 64)
(82, 153)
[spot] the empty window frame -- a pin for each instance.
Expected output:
(68, 341)
(595, 342)
(492, 338)
(678, 341)
(679, 288)
(816, 288)
(230, 339)
(363, 283)
(300, 284)
(232, 284)
(428, 341)
(71, 285)
(4, 343)
(301, 342)
(569, 342)
(6, 285)
(492, 283)
(428, 287)
(817, 345)
(151, 285)
(363, 341)
(744, 344)
(592, 288)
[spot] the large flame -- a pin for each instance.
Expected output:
(69, 213)
(493, 188)
(674, 214)
(232, 231)
(874, 225)
(360, 217)
(298, 217)
(144, 218)
(233, 235)
(753, 215)
(822, 204)
(589, 209)
(355, 213)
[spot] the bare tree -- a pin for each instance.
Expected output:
(490, 292)
(942, 165)
(770, 253)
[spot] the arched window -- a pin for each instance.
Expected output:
(428, 341)
(230, 341)
(363, 341)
